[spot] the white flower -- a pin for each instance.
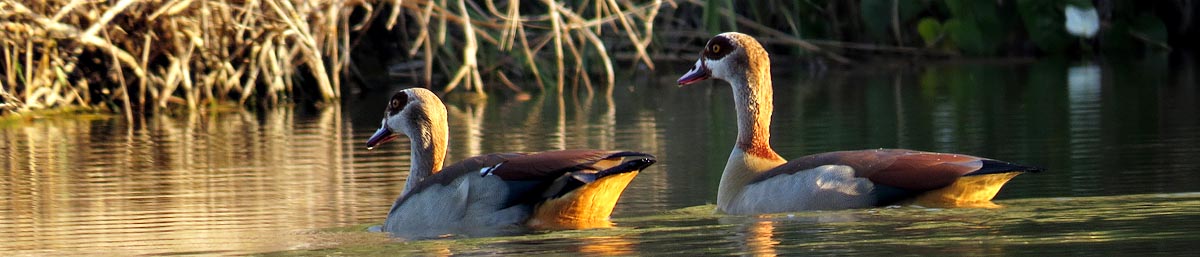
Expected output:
(1082, 22)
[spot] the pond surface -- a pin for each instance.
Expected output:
(1120, 140)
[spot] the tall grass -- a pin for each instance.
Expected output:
(138, 56)
(141, 55)
(472, 38)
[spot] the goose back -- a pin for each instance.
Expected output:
(504, 189)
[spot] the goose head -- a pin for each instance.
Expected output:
(731, 57)
(420, 115)
(414, 112)
(741, 61)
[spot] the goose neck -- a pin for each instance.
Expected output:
(753, 99)
(428, 148)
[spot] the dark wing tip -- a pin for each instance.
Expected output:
(630, 153)
(628, 166)
(993, 167)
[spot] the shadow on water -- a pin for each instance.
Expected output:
(1119, 142)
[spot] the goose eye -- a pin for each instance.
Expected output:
(716, 48)
(397, 103)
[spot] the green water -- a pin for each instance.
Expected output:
(1130, 224)
(1119, 138)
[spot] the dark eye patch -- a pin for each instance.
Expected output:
(718, 47)
(399, 100)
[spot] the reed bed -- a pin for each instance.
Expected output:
(142, 55)
(137, 56)
(467, 38)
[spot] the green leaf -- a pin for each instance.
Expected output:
(930, 30)
(978, 28)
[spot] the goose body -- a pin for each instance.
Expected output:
(757, 180)
(567, 189)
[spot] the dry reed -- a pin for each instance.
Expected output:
(149, 54)
(137, 56)
(524, 30)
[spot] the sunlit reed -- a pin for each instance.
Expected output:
(572, 30)
(138, 55)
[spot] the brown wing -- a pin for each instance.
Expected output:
(901, 168)
(552, 164)
(546, 166)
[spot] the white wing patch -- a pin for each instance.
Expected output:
(821, 188)
(487, 171)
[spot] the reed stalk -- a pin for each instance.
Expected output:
(572, 30)
(143, 55)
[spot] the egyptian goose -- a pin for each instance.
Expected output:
(757, 180)
(568, 189)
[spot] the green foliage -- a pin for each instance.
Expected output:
(976, 27)
(809, 16)
(714, 21)
(930, 30)
(967, 27)
(969, 37)
(1043, 22)
(878, 15)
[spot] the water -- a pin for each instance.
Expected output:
(1119, 140)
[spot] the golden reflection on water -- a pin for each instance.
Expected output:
(760, 238)
(606, 246)
(441, 249)
(218, 183)
(237, 182)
